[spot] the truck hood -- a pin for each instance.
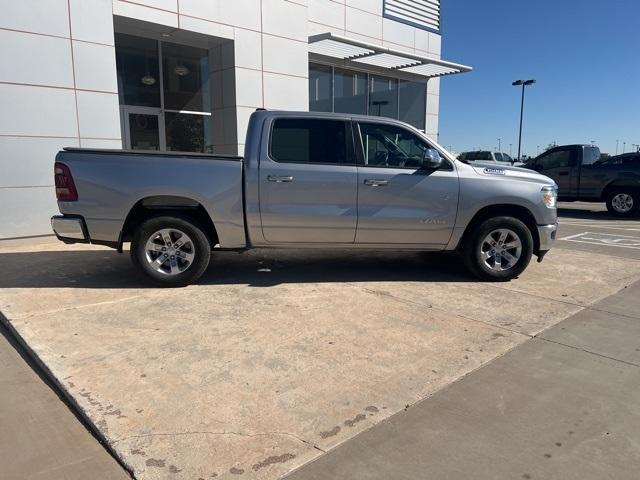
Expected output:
(511, 173)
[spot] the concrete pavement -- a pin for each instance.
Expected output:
(40, 437)
(564, 405)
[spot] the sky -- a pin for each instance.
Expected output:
(584, 54)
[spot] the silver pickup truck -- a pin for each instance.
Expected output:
(308, 180)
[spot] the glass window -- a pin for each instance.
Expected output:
(144, 132)
(478, 156)
(185, 75)
(556, 159)
(350, 94)
(138, 71)
(188, 133)
(320, 88)
(507, 158)
(390, 146)
(499, 157)
(413, 103)
(591, 155)
(309, 141)
(383, 97)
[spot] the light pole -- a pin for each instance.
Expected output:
(511, 150)
(617, 141)
(524, 83)
(624, 147)
(537, 150)
(499, 144)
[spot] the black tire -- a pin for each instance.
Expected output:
(626, 193)
(475, 243)
(189, 261)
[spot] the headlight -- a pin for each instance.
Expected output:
(550, 196)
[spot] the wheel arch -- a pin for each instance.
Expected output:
(619, 184)
(160, 205)
(504, 210)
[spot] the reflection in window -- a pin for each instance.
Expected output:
(138, 71)
(320, 88)
(185, 73)
(188, 133)
(144, 132)
(413, 98)
(350, 92)
(383, 99)
(333, 89)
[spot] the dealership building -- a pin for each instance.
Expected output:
(185, 75)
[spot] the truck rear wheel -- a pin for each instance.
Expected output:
(623, 202)
(171, 251)
(498, 249)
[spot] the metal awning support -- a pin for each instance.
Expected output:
(344, 48)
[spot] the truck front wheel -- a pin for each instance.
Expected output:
(171, 251)
(498, 249)
(623, 202)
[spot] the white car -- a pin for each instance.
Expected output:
(487, 156)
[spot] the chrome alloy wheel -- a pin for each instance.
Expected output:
(622, 203)
(169, 251)
(501, 249)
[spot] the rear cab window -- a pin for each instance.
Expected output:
(311, 140)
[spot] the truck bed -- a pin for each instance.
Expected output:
(110, 183)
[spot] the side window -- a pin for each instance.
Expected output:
(391, 146)
(499, 157)
(300, 140)
(557, 159)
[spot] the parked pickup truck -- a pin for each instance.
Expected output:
(581, 175)
(308, 180)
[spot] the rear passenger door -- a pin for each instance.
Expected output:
(308, 182)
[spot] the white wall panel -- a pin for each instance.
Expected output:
(37, 111)
(35, 59)
(50, 17)
(28, 161)
(91, 20)
(95, 66)
(27, 211)
(98, 115)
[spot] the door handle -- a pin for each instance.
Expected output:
(376, 183)
(280, 178)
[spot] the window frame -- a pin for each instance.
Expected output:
(359, 146)
(348, 138)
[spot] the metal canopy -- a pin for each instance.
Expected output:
(344, 48)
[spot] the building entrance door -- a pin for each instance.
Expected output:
(143, 128)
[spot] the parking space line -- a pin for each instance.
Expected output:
(605, 239)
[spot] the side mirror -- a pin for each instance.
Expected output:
(432, 159)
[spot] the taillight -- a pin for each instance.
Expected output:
(65, 188)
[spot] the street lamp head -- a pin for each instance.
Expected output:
(523, 82)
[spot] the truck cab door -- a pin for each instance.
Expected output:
(399, 202)
(561, 165)
(308, 182)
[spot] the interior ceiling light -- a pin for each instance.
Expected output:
(182, 70)
(148, 79)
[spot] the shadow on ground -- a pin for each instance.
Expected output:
(105, 269)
